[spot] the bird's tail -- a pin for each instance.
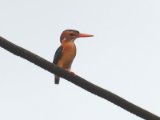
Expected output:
(56, 79)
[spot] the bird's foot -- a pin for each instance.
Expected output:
(70, 71)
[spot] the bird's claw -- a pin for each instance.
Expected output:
(70, 71)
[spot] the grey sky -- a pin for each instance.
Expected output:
(123, 57)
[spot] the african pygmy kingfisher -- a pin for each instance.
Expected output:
(65, 54)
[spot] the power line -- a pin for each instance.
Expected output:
(90, 87)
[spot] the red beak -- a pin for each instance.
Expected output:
(84, 35)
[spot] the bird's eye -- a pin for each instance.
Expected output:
(72, 34)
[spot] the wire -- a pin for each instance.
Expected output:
(90, 87)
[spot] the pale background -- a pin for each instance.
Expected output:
(123, 57)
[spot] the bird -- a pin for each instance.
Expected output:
(66, 52)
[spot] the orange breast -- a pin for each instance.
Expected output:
(68, 54)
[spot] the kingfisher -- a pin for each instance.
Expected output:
(66, 53)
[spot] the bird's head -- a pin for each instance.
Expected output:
(71, 35)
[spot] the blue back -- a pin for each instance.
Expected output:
(57, 55)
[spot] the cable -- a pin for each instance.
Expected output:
(90, 87)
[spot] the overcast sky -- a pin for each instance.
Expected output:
(122, 57)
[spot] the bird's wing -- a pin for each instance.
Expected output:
(57, 55)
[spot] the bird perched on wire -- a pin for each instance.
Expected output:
(65, 54)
